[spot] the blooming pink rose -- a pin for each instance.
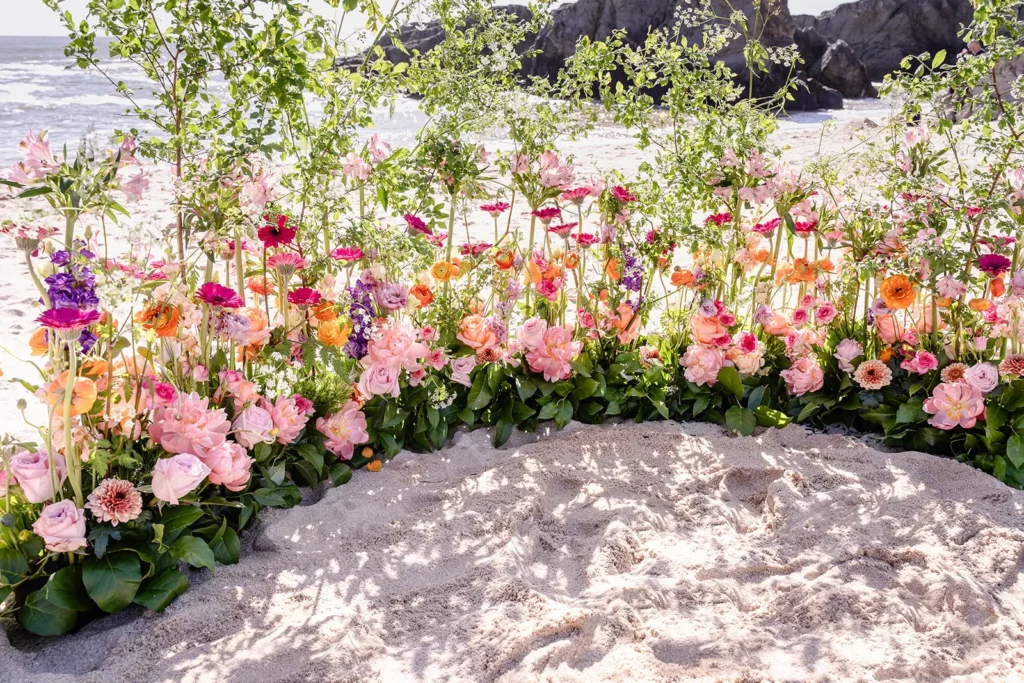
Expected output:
(379, 380)
(953, 405)
(165, 393)
(175, 476)
(461, 368)
(702, 364)
(746, 363)
(531, 333)
(189, 426)
(706, 329)
(344, 429)
(31, 471)
(200, 373)
(846, 351)
(288, 418)
(61, 526)
(803, 376)
(230, 465)
(983, 376)
(554, 355)
(252, 426)
(826, 313)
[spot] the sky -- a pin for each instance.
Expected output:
(33, 18)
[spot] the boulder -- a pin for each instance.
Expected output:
(839, 68)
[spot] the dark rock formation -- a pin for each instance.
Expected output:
(833, 64)
(882, 32)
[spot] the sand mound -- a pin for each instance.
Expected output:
(655, 552)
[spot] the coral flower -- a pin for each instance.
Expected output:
(681, 278)
(423, 295)
(953, 405)
(161, 318)
(275, 232)
(324, 311)
(897, 292)
(257, 284)
(475, 333)
(286, 264)
(304, 297)
(218, 295)
(997, 287)
(613, 269)
(575, 195)
(442, 271)
(505, 259)
(627, 323)
(83, 395)
(980, 305)
(115, 501)
(38, 342)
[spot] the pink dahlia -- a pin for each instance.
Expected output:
(275, 232)
(304, 297)
(1013, 366)
(347, 254)
(115, 501)
(873, 375)
(416, 224)
(190, 426)
(955, 405)
(344, 429)
(218, 295)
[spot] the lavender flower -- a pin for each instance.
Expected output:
(393, 297)
(632, 271)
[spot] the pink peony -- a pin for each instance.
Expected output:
(289, 419)
(531, 333)
(846, 351)
(190, 426)
(984, 377)
(31, 471)
(252, 426)
(230, 466)
(344, 429)
(379, 380)
(554, 355)
(396, 348)
(953, 405)
(178, 475)
(803, 376)
(61, 526)
(702, 364)
(461, 369)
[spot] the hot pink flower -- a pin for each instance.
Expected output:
(344, 429)
(826, 313)
(495, 209)
(218, 295)
(347, 254)
(416, 224)
(554, 356)
(575, 195)
(286, 263)
(803, 376)
(189, 426)
(304, 297)
(176, 476)
(623, 195)
(702, 364)
(953, 405)
(275, 232)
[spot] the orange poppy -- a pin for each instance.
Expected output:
(898, 292)
(161, 318)
(83, 393)
(682, 278)
(38, 342)
(998, 287)
(613, 269)
(423, 294)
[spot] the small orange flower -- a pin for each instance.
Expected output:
(943, 301)
(83, 394)
(682, 278)
(998, 287)
(505, 259)
(980, 305)
(95, 367)
(324, 311)
(258, 285)
(334, 332)
(898, 292)
(161, 318)
(572, 260)
(38, 342)
(423, 294)
(885, 355)
(375, 465)
(613, 269)
(442, 271)
(457, 269)
(603, 295)
(803, 271)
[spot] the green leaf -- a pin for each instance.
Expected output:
(526, 387)
(42, 617)
(179, 516)
(700, 405)
(938, 59)
(755, 398)
(1015, 451)
(340, 473)
(227, 549)
(729, 378)
(741, 420)
(564, 415)
(112, 580)
(549, 411)
(313, 455)
(502, 432)
(65, 589)
(193, 551)
(910, 412)
(13, 566)
(479, 393)
(160, 590)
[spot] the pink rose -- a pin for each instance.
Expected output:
(953, 405)
(461, 369)
(230, 466)
(846, 351)
(531, 333)
(746, 363)
(175, 476)
(61, 526)
(344, 429)
(826, 313)
(803, 376)
(397, 347)
(189, 426)
(702, 364)
(252, 426)
(983, 376)
(31, 471)
(200, 373)
(379, 380)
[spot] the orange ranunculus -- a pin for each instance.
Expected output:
(475, 333)
(442, 271)
(627, 323)
(83, 393)
(533, 272)
(980, 305)
(572, 260)
(423, 294)
(458, 270)
(603, 295)
(161, 318)
(803, 271)
(38, 342)
(682, 278)
(324, 311)
(943, 301)
(898, 292)
(885, 355)
(998, 287)
(662, 263)
(505, 259)
(257, 284)
(613, 269)
(334, 332)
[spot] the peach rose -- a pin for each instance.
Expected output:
(475, 333)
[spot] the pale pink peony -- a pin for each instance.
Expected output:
(702, 364)
(846, 351)
(531, 333)
(983, 376)
(31, 471)
(397, 348)
(288, 418)
(379, 380)
(344, 430)
(230, 466)
(803, 376)
(461, 369)
(253, 426)
(554, 356)
(61, 526)
(115, 501)
(189, 426)
(952, 405)
(178, 475)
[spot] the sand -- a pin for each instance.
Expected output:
(658, 552)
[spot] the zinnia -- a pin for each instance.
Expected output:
(115, 501)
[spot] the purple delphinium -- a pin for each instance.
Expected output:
(361, 314)
(631, 270)
(75, 288)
